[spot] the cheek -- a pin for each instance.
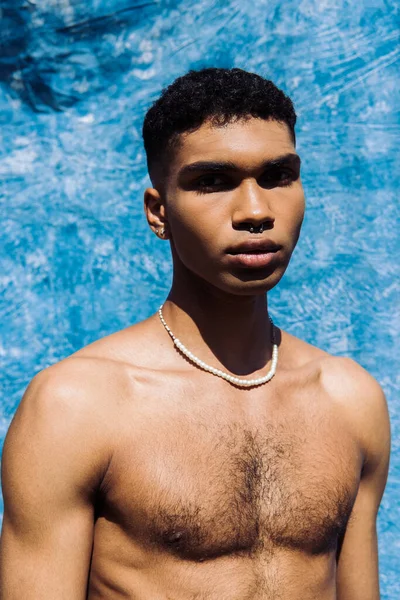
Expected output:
(298, 213)
(297, 221)
(289, 217)
(192, 224)
(294, 212)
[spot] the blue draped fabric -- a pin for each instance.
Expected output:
(77, 258)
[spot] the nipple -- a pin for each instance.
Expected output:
(173, 538)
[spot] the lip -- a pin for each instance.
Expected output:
(256, 254)
(254, 260)
(254, 247)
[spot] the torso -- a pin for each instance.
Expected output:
(217, 493)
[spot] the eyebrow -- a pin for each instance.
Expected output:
(202, 166)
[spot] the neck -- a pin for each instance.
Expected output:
(233, 331)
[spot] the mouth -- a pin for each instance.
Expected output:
(254, 247)
(251, 259)
(255, 254)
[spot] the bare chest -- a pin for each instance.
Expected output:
(200, 487)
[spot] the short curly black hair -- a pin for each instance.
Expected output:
(217, 95)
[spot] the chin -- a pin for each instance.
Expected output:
(251, 283)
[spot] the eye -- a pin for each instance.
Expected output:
(286, 175)
(210, 183)
(279, 177)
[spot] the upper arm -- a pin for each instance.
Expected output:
(357, 567)
(52, 463)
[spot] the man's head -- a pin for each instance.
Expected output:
(221, 154)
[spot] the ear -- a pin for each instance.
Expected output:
(154, 208)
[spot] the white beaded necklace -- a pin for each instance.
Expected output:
(231, 378)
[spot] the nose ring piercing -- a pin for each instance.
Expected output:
(260, 229)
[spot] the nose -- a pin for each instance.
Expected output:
(252, 208)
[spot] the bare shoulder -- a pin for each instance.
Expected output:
(89, 387)
(79, 383)
(64, 413)
(344, 379)
(363, 402)
(341, 377)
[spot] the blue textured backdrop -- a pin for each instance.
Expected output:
(77, 258)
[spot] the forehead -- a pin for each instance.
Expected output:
(242, 142)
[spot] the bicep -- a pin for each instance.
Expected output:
(357, 567)
(45, 556)
(48, 472)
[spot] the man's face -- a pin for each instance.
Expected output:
(249, 176)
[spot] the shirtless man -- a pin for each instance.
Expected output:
(130, 472)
